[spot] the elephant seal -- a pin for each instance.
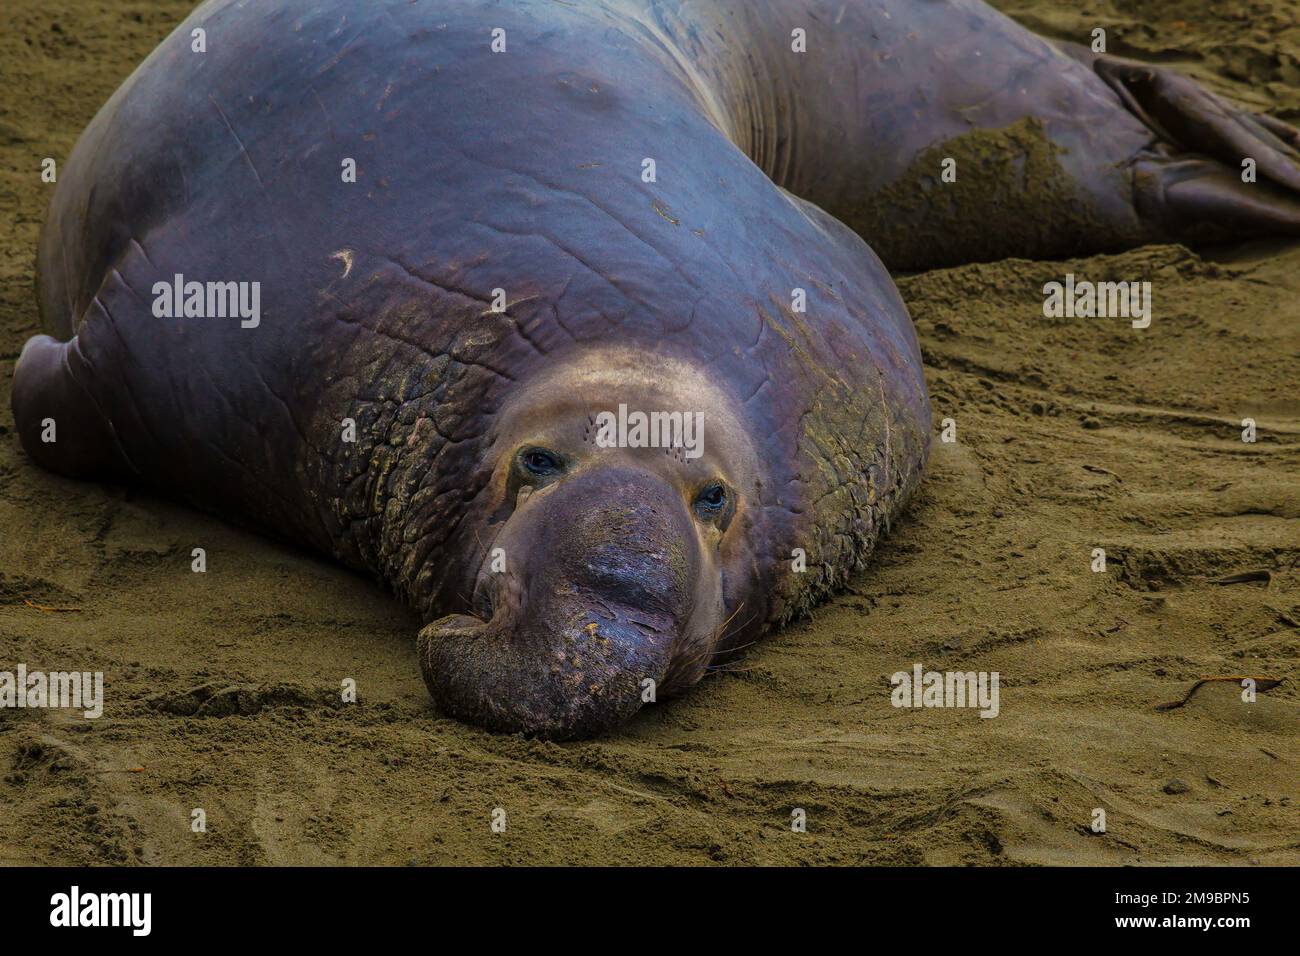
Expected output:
(441, 290)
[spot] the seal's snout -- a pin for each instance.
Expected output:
(586, 614)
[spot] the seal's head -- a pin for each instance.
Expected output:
(613, 556)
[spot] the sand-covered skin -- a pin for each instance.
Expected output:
(223, 688)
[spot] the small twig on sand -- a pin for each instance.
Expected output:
(50, 610)
(1261, 683)
(1098, 470)
(1245, 577)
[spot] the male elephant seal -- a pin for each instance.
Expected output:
(566, 215)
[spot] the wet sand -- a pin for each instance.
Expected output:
(223, 688)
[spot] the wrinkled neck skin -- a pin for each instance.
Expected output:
(616, 574)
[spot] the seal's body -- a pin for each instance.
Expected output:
(564, 216)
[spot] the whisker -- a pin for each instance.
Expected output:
(728, 669)
(724, 624)
(750, 620)
(732, 650)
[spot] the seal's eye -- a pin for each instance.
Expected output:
(711, 500)
(540, 462)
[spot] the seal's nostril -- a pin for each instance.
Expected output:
(484, 598)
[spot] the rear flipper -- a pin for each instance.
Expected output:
(1198, 199)
(59, 424)
(1179, 185)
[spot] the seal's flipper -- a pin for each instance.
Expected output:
(1190, 117)
(58, 421)
(1279, 128)
(1198, 199)
(1179, 183)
